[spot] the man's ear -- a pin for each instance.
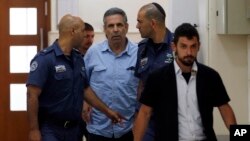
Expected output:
(153, 23)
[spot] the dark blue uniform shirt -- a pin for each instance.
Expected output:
(149, 58)
(62, 80)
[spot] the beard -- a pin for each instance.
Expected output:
(187, 60)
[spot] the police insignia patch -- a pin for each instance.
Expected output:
(169, 58)
(33, 66)
(144, 61)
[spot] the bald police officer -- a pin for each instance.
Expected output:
(55, 87)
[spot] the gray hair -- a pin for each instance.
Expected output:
(114, 11)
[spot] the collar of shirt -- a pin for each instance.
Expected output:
(127, 50)
(179, 71)
(167, 39)
(57, 48)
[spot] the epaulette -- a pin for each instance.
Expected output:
(77, 51)
(43, 52)
(46, 50)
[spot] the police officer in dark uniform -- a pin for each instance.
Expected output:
(153, 55)
(55, 87)
(154, 51)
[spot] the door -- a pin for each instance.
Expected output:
(23, 32)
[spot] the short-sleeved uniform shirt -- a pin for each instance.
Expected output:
(62, 80)
(150, 57)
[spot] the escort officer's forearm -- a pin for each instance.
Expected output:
(141, 122)
(93, 100)
(139, 89)
(33, 93)
(227, 115)
(86, 111)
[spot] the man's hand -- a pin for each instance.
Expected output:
(86, 112)
(35, 135)
(115, 116)
(97, 103)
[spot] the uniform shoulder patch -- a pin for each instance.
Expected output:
(33, 66)
(77, 51)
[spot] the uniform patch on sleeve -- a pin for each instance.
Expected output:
(33, 66)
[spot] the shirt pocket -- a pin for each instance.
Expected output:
(132, 79)
(98, 74)
(62, 76)
(62, 84)
(99, 68)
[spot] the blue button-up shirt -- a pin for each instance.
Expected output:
(112, 78)
(62, 82)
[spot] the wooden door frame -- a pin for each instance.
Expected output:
(7, 78)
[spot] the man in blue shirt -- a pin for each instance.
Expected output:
(55, 87)
(154, 51)
(110, 70)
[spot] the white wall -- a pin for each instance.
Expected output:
(194, 12)
(92, 11)
(228, 55)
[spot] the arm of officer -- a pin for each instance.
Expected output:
(93, 100)
(86, 112)
(33, 93)
(139, 89)
(141, 122)
(227, 115)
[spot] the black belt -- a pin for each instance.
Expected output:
(63, 123)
